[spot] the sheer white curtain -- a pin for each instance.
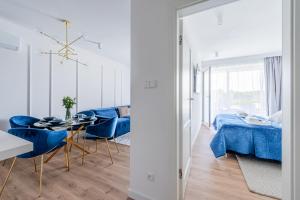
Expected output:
(238, 87)
(273, 78)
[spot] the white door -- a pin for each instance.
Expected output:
(185, 111)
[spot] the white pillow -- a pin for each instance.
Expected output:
(276, 117)
(242, 113)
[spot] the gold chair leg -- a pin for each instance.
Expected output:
(35, 169)
(116, 145)
(6, 179)
(71, 145)
(70, 149)
(83, 152)
(96, 145)
(67, 159)
(41, 174)
(109, 150)
(4, 163)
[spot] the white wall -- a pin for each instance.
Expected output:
(34, 84)
(153, 123)
(154, 138)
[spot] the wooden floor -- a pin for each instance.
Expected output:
(215, 179)
(96, 180)
(210, 178)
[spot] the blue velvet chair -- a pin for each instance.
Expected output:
(44, 142)
(87, 113)
(123, 124)
(104, 130)
(22, 121)
(79, 128)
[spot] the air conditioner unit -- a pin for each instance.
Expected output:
(9, 41)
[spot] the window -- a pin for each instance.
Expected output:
(238, 87)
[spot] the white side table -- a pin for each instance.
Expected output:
(10, 147)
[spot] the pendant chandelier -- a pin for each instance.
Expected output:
(67, 50)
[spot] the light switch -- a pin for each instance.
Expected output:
(151, 84)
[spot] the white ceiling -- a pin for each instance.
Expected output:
(105, 21)
(249, 27)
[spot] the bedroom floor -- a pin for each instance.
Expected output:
(214, 179)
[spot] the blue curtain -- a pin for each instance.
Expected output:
(273, 77)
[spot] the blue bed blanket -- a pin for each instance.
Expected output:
(234, 134)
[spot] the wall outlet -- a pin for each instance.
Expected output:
(151, 177)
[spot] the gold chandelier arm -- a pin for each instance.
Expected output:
(66, 50)
(60, 54)
(55, 40)
(75, 61)
(52, 38)
(68, 45)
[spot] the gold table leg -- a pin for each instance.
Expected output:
(6, 179)
(70, 140)
(41, 174)
(67, 160)
(52, 155)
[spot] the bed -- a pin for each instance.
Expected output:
(234, 134)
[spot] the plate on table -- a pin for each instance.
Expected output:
(56, 122)
(79, 116)
(48, 119)
(88, 118)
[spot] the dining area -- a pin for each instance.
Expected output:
(55, 147)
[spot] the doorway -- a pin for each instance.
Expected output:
(207, 87)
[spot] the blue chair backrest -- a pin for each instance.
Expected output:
(106, 112)
(43, 140)
(111, 127)
(87, 113)
(104, 129)
(22, 121)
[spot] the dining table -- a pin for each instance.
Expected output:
(74, 126)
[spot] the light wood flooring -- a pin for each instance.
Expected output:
(215, 179)
(210, 178)
(98, 179)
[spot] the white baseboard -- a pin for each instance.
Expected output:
(196, 136)
(137, 196)
(186, 174)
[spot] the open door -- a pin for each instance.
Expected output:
(184, 110)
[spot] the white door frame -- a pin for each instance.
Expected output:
(291, 90)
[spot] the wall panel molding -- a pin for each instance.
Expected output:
(50, 83)
(122, 101)
(101, 75)
(77, 89)
(115, 87)
(29, 63)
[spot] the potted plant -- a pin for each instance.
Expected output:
(68, 103)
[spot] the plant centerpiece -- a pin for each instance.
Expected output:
(68, 103)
